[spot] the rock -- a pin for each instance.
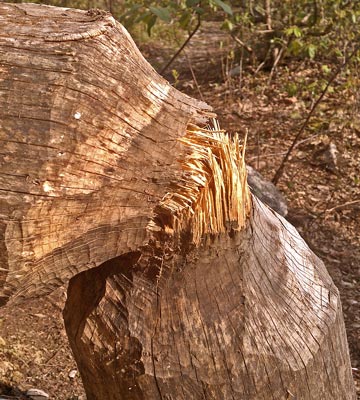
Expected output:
(235, 71)
(327, 156)
(266, 191)
(37, 394)
(72, 373)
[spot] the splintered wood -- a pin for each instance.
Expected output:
(212, 196)
(91, 152)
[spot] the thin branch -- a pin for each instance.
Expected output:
(268, 13)
(268, 53)
(265, 31)
(284, 45)
(241, 43)
(241, 68)
(276, 62)
(194, 76)
(280, 170)
(316, 13)
(110, 7)
(254, 158)
(345, 205)
(173, 58)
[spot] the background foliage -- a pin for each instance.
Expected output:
(304, 28)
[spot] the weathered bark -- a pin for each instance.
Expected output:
(180, 285)
(250, 316)
(89, 133)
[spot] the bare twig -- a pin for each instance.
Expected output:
(52, 355)
(241, 68)
(284, 45)
(263, 62)
(241, 43)
(173, 58)
(316, 14)
(268, 13)
(345, 205)
(280, 170)
(254, 158)
(264, 31)
(276, 62)
(258, 150)
(110, 6)
(194, 76)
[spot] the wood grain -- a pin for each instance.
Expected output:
(88, 134)
(89, 151)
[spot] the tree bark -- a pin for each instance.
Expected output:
(89, 133)
(268, 14)
(180, 285)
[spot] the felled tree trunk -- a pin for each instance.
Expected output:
(181, 285)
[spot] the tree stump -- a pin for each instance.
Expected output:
(181, 285)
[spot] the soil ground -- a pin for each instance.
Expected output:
(323, 199)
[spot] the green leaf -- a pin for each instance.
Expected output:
(224, 6)
(297, 31)
(296, 47)
(293, 30)
(288, 31)
(192, 3)
(150, 23)
(338, 53)
(311, 51)
(292, 89)
(227, 25)
(199, 10)
(161, 12)
(185, 20)
(175, 74)
(325, 69)
(143, 17)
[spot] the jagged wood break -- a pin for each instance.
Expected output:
(212, 196)
(89, 155)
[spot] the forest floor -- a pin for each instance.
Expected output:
(323, 198)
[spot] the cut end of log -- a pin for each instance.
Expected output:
(212, 196)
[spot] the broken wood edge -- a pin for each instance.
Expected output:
(30, 277)
(212, 196)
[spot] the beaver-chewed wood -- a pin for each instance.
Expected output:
(180, 284)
